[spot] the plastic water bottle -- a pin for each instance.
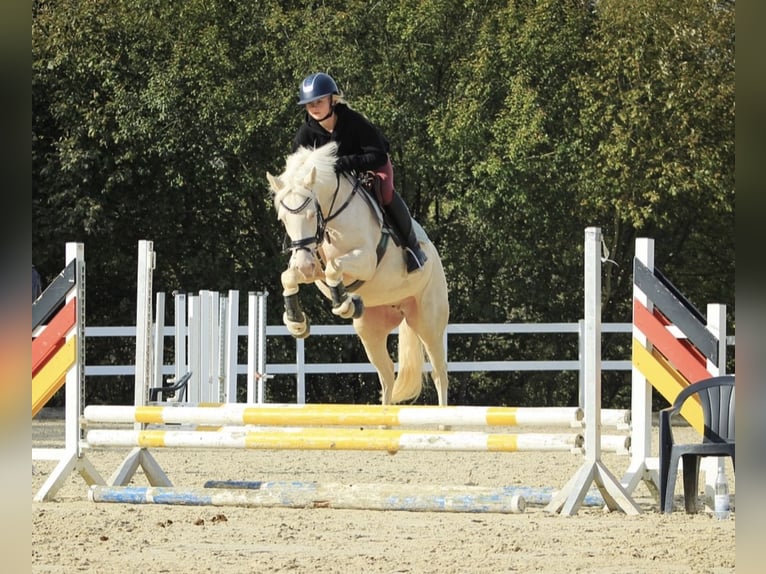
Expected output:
(721, 508)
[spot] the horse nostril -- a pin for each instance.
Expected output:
(304, 261)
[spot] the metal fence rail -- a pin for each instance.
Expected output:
(300, 368)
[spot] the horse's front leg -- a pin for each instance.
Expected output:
(344, 305)
(294, 318)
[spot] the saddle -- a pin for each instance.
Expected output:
(371, 183)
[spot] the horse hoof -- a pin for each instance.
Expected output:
(297, 330)
(303, 334)
(339, 310)
(345, 310)
(351, 308)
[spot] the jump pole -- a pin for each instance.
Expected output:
(532, 496)
(409, 497)
(294, 494)
(388, 440)
(334, 414)
(568, 500)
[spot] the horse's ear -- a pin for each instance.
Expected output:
(275, 183)
(309, 180)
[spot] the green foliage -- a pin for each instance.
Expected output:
(658, 126)
(513, 125)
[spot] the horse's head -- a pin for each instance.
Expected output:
(297, 209)
(298, 195)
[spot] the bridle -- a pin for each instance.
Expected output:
(322, 220)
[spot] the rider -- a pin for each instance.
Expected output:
(361, 147)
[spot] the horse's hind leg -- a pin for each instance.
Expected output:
(373, 328)
(438, 358)
(430, 323)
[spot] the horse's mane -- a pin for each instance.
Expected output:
(298, 165)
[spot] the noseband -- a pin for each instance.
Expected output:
(290, 245)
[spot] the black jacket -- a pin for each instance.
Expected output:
(361, 145)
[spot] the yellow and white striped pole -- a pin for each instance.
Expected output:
(389, 440)
(348, 415)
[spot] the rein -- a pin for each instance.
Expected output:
(345, 203)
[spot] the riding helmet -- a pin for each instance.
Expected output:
(316, 86)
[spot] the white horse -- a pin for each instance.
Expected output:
(339, 243)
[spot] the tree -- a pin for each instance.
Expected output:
(513, 125)
(658, 131)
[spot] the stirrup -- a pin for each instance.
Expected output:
(416, 258)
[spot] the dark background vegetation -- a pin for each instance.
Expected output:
(514, 126)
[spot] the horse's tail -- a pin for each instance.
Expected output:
(409, 379)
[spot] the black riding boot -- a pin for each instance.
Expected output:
(400, 217)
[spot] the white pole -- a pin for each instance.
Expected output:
(716, 324)
(180, 334)
(592, 345)
(75, 377)
(252, 341)
(195, 362)
(581, 359)
(641, 395)
(209, 346)
(300, 359)
(262, 296)
(232, 346)
(143, 376)
(159, 340)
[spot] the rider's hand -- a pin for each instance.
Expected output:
(343, 165)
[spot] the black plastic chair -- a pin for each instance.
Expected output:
(169, 390)
(716, 395)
